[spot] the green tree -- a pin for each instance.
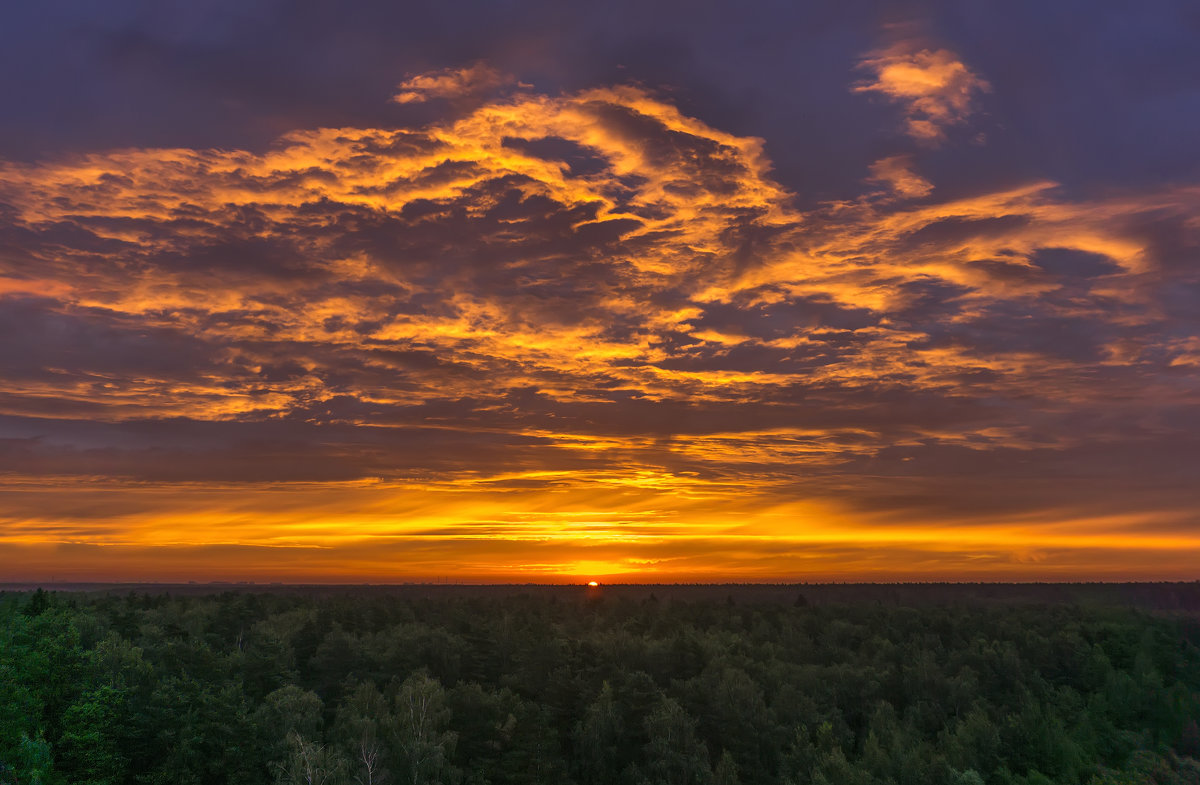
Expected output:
(674, 754)
(598, 738)
(34, 763)
(291, 708)
(87, 747)
(423, 745)
(362, 722)
(309, 763)
(726, 772)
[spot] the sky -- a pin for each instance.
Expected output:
(635, 292)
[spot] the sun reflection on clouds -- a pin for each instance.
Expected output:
(585, 334)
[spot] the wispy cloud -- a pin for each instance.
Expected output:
(935, 89)
(898, 175)
(472, 81)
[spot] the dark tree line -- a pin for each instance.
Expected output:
(244, 688)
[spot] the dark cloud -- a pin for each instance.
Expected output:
(53, 344)
(1074, 264)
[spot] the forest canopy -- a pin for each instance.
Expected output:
(591, 687)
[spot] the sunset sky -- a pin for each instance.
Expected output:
(627, 291)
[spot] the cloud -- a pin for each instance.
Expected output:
(471, 81)
(935, 89)
(586, 306)
(897, 173)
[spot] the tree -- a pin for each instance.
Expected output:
(597, 740)
(423, 745)
(734, 716)
(531, 754)
(362, 721)
(87, 745)
(674, 755)
(310, 763)
(38, 604)
(35, 763)
(726, 771)
(290, 709)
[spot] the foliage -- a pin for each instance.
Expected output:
(378, 689)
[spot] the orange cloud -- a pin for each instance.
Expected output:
(934, 87)
(897, 173)
(451, 83)
(585, 333)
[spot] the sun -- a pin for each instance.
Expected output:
(593, 583)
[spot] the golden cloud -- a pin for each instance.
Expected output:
(897, 173)
(452, 83)
(580, 329)
(933, 86)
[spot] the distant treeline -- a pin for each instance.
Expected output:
(1163, 595)
(608, 687)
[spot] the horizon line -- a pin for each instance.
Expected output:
(6, 585)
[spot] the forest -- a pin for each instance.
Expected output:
(593, 687)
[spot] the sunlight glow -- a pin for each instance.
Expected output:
(550, 337)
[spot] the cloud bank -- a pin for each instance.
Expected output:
(586, 334)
